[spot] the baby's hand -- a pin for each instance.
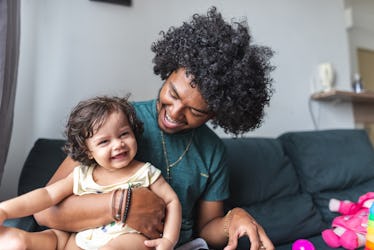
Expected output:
(160, 244)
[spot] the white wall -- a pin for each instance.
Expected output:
(73, 49)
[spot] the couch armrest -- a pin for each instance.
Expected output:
(44, 158)
(25, 223)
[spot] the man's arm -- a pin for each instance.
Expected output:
(76, 213)
(210, 224)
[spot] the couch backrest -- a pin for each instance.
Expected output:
(254, 163)
(42, 162)
(264, 182)
(287, 182)
(332, 164)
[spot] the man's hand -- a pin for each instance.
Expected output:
(241, 223)
(146, 213)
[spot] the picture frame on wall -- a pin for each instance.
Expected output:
(121, 2)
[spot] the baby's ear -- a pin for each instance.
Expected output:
(89, 155)
(334, 205)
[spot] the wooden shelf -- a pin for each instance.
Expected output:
(363, 103)
(340, 95)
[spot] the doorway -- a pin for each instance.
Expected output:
(366, 70)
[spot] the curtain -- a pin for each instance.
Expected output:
(9, 54)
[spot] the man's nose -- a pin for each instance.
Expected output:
(176, 111)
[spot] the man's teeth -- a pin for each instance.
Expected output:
(170, 119)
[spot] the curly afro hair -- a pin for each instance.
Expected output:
(88, 116)
(232, 74)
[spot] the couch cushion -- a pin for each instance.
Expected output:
(288, 218)
(264, 182)
(259, 171)
(322, 199)
(317, 242)
(330, 159)
(27, 223)
(42, 162)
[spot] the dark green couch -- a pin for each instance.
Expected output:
(284, 182)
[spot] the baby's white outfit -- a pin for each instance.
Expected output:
(84, 184)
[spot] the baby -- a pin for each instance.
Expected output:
(102, 135)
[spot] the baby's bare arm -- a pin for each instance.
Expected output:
(173, 217)
(36, 200)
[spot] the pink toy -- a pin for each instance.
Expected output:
(303, 245)
(349, 229)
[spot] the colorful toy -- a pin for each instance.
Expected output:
(369, 245)
(302, 244)
(349, 229)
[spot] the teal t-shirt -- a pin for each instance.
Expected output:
(201, 174)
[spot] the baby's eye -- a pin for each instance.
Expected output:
(124, 133)
(102, 142)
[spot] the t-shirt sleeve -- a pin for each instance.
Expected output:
(218, 183)
(153, 174)
(80, 175)
(77, 175)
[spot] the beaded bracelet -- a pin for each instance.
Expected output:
(127, 206)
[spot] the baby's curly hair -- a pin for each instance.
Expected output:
(232, 74)
(88, 116)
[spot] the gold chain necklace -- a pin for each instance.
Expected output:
(168, 164)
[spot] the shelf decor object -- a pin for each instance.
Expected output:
(363, 102)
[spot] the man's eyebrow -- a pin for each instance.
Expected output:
(207, 112)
